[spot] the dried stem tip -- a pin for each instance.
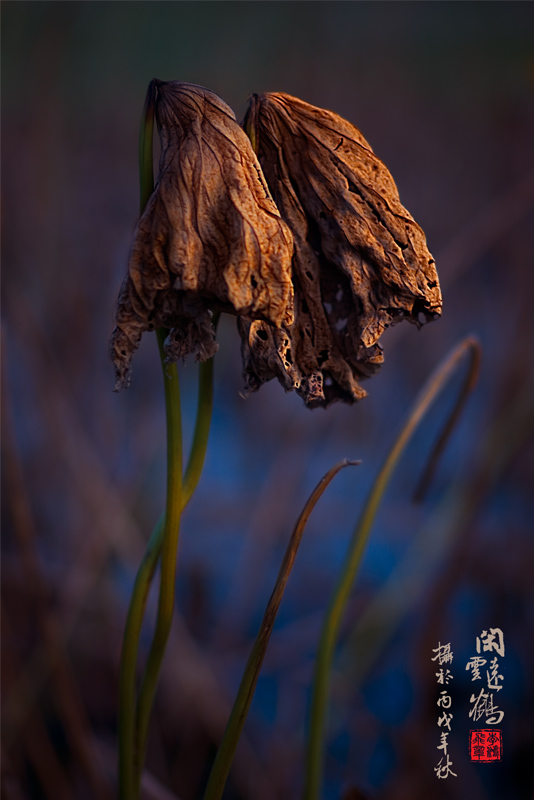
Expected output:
(361, 262)
(210, 237)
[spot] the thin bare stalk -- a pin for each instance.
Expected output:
(132, 631)
(467, 387)
(128, 664)
(225, 754)
(133, 719)
(134, 716)
(169, 548)
(340, 595)
(147, 568)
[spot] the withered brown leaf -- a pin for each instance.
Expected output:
(210, 237)
(361, 262)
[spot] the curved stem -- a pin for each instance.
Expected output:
(225, 753)
(340, 595)
(467, 387)
(199, 445)
(128, 664)
(169, 549)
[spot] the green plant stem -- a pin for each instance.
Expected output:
(169, 549)
(467, 387)
(225, 754)
(146, 147)
(164, 539)
(340, 595)
(143, 581)
(134, 619)
(133, 720)
(128, 664)
(199, 445)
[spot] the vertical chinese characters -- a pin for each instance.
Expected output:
(485, 744)
(483, 705)
(444, 655)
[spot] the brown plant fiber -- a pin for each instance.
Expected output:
(312, 250)
(360, 264)
(210, 237)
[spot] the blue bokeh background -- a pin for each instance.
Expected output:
(444, 93)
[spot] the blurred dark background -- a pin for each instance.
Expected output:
(444, 92)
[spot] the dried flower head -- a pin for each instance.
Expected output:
(360, 264)
(210, 237)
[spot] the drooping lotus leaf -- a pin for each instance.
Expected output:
(361, 262)
(210, 237)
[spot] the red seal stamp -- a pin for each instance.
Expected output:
(485, 745)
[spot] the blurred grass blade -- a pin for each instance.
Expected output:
(469, 384)
(446, 535)
(225, 754)
(340, 595)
